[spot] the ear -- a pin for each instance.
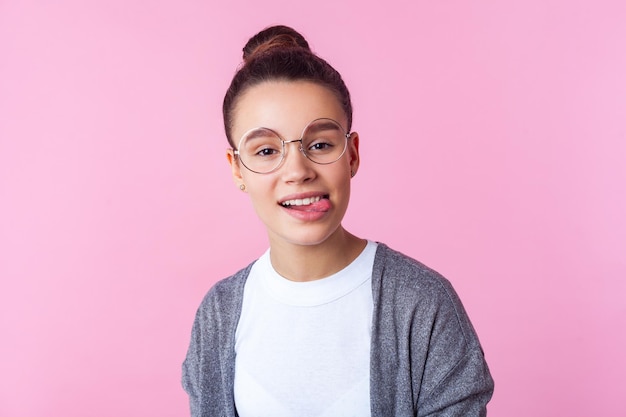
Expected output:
(353, 152)
(234, 167)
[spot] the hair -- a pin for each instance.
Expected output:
(279, 53)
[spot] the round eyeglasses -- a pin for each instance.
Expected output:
(262, 150)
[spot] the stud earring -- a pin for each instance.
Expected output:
(352, 174)
(242, 187)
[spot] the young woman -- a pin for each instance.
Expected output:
(324, 323)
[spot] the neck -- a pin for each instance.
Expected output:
(312, 262)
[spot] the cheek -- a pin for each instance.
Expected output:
(260, 192)
(342, 172)
(341, 179)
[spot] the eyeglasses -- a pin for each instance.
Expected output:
(262, 150)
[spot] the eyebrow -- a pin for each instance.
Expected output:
(260, 132)
(316, 127)
(321, 126)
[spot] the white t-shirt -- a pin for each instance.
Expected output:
(303, 348)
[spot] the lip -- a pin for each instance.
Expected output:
(301, 196)
(306, 215)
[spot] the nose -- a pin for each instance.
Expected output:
(296, 166)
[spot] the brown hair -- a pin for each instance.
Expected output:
(281, 53)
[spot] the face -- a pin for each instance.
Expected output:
(287, 107)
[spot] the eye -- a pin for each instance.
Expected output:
(267, 152)
(321, 146)
(261, 143)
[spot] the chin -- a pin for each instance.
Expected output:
(308, 238)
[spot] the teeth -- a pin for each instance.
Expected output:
(301, 201)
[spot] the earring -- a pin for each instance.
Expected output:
(352, 174)
(242, 187)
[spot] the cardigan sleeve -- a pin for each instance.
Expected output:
(191, 376)
(463, 392)
(456, 381)
(426, 357)
(209, 368)
(206, 368)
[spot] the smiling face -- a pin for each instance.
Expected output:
(300, 203)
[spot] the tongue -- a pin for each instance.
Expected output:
(322, 205)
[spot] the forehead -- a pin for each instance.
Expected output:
(285, 106)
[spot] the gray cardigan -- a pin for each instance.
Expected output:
(426, 359)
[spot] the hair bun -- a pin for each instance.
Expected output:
(273, 37)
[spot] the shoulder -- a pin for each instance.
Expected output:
(406, 287)
(225, 295)
(422, 333)
(398, 269)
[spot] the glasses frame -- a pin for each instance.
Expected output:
(300, 148)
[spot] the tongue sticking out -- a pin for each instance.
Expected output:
(322, 205)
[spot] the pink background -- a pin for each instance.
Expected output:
(493, 146)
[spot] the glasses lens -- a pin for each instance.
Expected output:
(324, 141)
(260, 150)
